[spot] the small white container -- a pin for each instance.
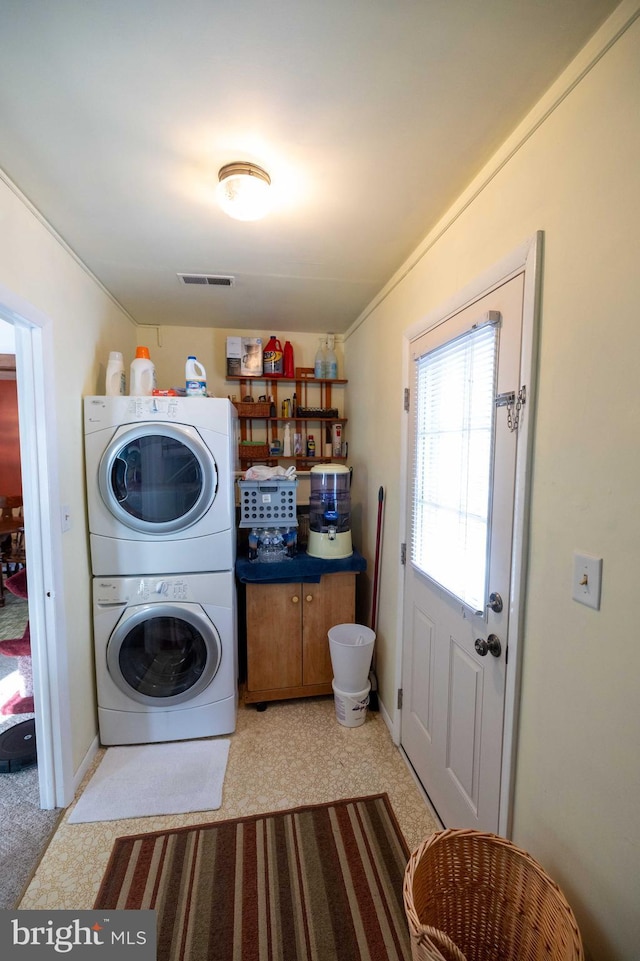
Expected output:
(143, 374)
(115, 380)
(195, 378)
(351, 651)
(351, 709)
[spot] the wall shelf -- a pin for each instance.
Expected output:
(267, 386)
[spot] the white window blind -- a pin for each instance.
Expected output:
(455, 406)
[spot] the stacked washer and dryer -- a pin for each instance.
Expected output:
(160, 491)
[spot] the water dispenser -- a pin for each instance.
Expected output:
(330, 511)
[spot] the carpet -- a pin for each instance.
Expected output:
(142, 780)
(26, 827)
(311, 884)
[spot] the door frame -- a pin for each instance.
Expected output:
(527, 258)
(40, 491)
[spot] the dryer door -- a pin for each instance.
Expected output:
(157, 478)
(163, 653)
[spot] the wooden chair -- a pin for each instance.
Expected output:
(12, 553)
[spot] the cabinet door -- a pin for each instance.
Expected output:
(274, 626)
(330, 602)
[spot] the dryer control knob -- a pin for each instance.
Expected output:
(162, 587)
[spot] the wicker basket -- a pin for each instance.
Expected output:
(253, 451)
(255, 409)
(472, 896)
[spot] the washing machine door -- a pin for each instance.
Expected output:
(157, 478)
(163, 654)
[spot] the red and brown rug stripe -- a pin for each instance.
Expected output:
(311, 884)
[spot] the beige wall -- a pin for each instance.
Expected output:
(169, 348)
(576, 177)
(36, 267)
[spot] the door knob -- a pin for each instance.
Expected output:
(495, 603)
(492, 645)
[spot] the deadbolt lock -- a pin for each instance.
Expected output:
(495, 603)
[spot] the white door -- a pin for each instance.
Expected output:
(458, 575)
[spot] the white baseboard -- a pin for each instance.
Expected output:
(395, 735)
(87, 761)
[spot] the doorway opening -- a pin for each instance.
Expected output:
(33, 342)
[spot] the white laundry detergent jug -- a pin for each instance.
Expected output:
(143, 374)
(195, 378)
(115, 382)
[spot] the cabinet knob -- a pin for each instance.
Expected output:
(295, 599)
(309, 597)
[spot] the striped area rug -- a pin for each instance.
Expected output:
(311, 884)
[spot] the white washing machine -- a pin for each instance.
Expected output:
(160, 484)
(166, 657)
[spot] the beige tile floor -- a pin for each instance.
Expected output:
(293, 753)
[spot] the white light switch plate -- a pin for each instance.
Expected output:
(587, 580)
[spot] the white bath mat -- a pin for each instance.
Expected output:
(142, 780)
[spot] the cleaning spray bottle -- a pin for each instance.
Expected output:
(331, 361)
(286, 445)
(320, 363)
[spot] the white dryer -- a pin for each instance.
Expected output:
(160, 484)
(166, 657)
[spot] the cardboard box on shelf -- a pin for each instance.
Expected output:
(244, 356)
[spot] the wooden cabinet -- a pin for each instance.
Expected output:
(287, 643)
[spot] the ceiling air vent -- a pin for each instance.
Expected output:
(207, 280)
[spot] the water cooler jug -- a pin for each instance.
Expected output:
(330, 512)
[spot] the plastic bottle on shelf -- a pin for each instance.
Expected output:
(288, 367)
(254, 537)
(286, 444)
(331, 361)
(143, 374)
(195, 378)
(115, 381)
(320, 363)
(272, 360)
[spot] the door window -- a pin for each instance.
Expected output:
(455, 409)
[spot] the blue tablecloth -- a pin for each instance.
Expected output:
(302, 568)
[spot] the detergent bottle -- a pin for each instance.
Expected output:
(115, 381)
(287, 361)
(143, 374)
(195, 378)
(272, 359)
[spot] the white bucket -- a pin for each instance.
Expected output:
(351, 709)
(351, 649)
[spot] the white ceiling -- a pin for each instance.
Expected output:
(371, 116)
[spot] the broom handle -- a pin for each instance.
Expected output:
(374, 602)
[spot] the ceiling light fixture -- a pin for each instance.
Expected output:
(243, 190)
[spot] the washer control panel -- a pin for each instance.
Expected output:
(139, 590)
